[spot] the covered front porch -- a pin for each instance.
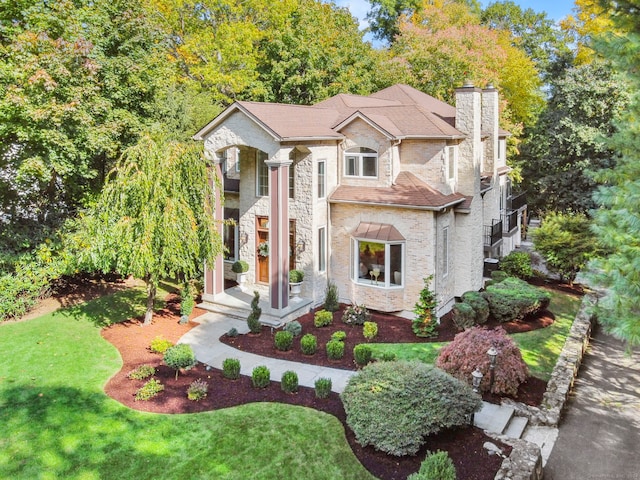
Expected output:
(234, 302)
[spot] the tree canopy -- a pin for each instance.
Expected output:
(153, 218)
(617, 220)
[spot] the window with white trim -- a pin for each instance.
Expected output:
(292, 177)
(377, 263)
(262, 174)
(230, 234)
(451, 152)
(361, 162)
(321, 178)
(445, 251)
(322, 249)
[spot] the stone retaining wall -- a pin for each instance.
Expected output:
(525, 461)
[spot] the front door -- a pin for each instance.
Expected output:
(262, 247)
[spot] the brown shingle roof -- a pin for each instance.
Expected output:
(399, 111)
(408, 191)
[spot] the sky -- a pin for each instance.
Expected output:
(555, 9)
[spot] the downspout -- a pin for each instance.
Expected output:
(394, 144)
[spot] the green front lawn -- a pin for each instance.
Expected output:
(540, 348)
(58, 423)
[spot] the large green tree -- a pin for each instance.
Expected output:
(532, 31)
(78, 82)
(153, 219)
(568, 144)
(617, 221)
(316, 53)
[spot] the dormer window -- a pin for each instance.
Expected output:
(361, 162)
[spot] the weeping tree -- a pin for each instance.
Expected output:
(153, 219)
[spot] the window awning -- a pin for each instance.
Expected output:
(382, 232)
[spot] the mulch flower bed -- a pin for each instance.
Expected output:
(464, 445)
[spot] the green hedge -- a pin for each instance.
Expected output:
(514, 299)
(394, 405)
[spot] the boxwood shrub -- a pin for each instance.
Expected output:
(308, 344)
(231, 368)
(322, 387)
(322, 318)
(514, 299)
(362, 354)
(283, 340)
(261, 377)
(394, 405)
(335, 349)
(289, 382)
(517, 264)
(370, 330)
(435, 466)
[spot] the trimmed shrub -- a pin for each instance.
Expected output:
(498, 276)
(240, 266)
(370, 330)
(514, 299)
(160, 345)
(362, 354)
(197, 390)
(283, 340)
(517, 264)
(231, 368)
(149, 390)
(180, 356)
(322, 318)
(435, 466)
(322, 387)
(289, 382)
(331, 303)
(356, 315)
(339, 335)
(335, 349)
(187, 301)
(394, 405)
(233, 332)
(141, 372)
(479, 305)
(463, 315)
(296, 276)
(253, 320)
(468, 350)
(294, 327)
(388, 357)
(308, 344)
(260, 377)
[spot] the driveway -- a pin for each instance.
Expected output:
(599, 435)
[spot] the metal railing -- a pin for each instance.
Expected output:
(510, 221)
(516, 202)
(493, 233)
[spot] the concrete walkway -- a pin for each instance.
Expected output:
(600, 433)
(204, 339)
(210, 351)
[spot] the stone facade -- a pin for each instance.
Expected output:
(443, 241)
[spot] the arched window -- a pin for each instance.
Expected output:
(361, 162)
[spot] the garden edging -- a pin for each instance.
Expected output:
(525, 461)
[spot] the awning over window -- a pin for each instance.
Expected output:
(382, 232)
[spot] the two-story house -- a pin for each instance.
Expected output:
(374, 193)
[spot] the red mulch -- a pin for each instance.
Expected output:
(132, 340)
(463, 445)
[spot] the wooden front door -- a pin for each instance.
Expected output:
(262, 236)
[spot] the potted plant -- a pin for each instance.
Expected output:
(240, 268)
(295, 280)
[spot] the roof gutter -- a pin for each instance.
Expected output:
(439, 208)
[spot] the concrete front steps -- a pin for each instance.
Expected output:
(500, 419)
